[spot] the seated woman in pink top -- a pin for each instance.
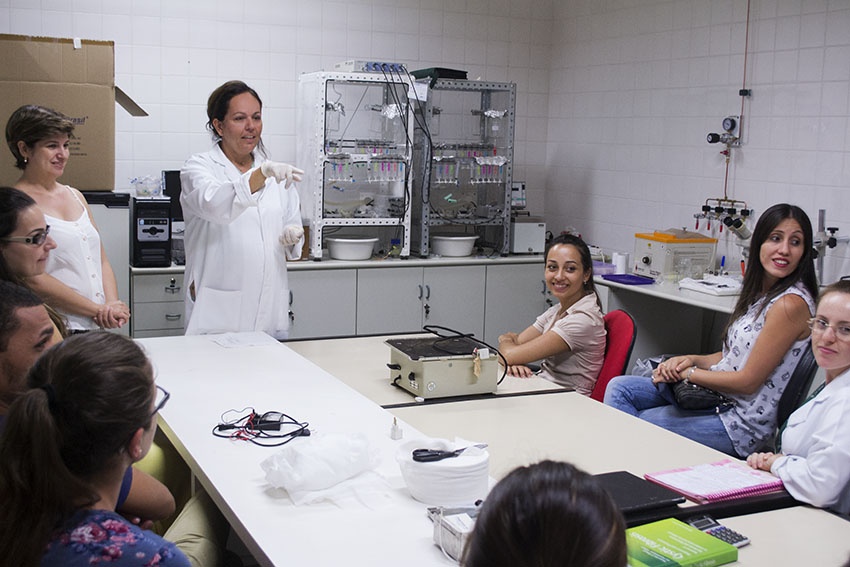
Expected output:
(569, 338)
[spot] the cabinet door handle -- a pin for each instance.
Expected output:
(420, 291)
(172, 316)
(172, 289)
(427, 293)
(543, 291)
(290, 298)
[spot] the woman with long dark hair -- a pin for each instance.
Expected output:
(25, 244)
(569, 338)
(64, 453)
(763, 341)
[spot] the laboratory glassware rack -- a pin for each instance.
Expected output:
(357, 153)
(463, 163)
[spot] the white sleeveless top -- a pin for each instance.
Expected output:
(76, 261)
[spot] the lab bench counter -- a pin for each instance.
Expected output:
(669, 320)
(485, 296)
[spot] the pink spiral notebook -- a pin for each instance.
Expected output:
(724, 480)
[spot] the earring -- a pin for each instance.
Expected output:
(26, 161)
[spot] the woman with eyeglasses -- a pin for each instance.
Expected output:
(78, 280)
(64, 453)
(25, 245)
(764, 339)
(814, 462)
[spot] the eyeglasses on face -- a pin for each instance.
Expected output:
(819, 326)
(37, 238)
(162, 396)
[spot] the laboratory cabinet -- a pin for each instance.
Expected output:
(156, 298)
(357, 153)
(463, 163)
(322, 303)
(486, 297)
(404, 299)
(515, 295)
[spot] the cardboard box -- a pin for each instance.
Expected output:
(72, 76)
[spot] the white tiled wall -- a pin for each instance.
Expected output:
(636, 85)
(170, 54)
(615, 97)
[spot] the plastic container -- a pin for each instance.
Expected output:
(453, 245)
(351, 248)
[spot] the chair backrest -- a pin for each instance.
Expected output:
(798, 385)
(621, 331)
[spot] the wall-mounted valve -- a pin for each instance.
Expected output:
(731, 136)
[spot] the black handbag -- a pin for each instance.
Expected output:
(690, 396)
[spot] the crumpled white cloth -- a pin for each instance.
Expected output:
(333, 467)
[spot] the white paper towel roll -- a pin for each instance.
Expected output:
(621, 262)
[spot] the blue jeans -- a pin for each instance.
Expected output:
(638, 396)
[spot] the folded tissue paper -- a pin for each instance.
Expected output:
(451, 481)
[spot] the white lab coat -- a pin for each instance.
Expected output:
(234, 259)
(816, 442)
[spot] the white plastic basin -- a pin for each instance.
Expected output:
(350, 248)
(453, 245)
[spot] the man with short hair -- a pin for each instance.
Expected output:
(26, 331)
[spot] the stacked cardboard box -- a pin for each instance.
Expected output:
(75, 77)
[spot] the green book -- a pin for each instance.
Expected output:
(671, 542)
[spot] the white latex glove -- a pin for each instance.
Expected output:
(281, 172)
(291, 234)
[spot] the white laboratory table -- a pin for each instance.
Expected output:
(599, 439)
(206, 379)
(669, 319)
(361, 362)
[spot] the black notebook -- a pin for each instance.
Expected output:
(634, 494)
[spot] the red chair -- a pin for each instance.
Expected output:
(621, 331)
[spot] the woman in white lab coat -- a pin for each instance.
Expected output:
(814, 462)
(243, 222)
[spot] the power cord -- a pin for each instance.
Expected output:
(457, 334)
(269, 429)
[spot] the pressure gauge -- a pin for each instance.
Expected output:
(729, 123)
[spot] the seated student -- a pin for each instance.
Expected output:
(26, 332)
(569, 337)
(64, 453)
(814, 462)
(549, 514)
(25, 244)
(764, 339)
(92, 414)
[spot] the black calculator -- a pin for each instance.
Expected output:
(711, 526)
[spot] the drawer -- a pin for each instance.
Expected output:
(158, 287)
(158, 333)
(158, 315)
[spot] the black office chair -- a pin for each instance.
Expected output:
(798, 385)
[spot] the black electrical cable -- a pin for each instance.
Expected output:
(470, 336)
(269, 429)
